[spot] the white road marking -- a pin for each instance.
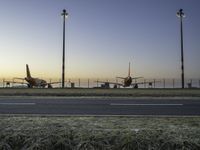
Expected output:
(120, 104)
(17, 103)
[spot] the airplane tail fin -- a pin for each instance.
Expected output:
(129, 70)
(28, 74)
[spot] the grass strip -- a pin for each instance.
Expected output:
(99, 133)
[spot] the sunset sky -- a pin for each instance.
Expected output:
(102, 37)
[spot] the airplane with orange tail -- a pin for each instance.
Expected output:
(35, 82)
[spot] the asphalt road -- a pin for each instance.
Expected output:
(100, 106)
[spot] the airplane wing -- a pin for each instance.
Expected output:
(137, 77)
(53, 82)
(20, 82)
(132, 78)
(135, 85)
(120, 77)
(19, 78)
(8, 82)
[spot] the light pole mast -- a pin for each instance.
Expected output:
(180, 14)
(64, 14)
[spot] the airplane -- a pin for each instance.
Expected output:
(127, 81)
(34, 82)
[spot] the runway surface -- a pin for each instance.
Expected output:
(100, 106)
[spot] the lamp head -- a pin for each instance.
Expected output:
(64, 13)
(180, 13)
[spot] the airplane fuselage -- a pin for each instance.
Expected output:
(35, 82)
(127, 81)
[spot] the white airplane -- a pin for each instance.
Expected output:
(126, 81)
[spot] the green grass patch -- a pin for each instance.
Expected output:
(99, 133)
(102, 92)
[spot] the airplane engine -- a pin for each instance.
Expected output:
(49, 86)
(135, 86)
(115, 86)
(42, 83)
(29, 86)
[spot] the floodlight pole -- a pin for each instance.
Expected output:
(64, 14)
(180, 14)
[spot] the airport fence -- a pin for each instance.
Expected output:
(98, 83)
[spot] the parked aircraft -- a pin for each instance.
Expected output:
(126, 81)
(34, 82)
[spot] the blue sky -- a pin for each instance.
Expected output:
(102, 36)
